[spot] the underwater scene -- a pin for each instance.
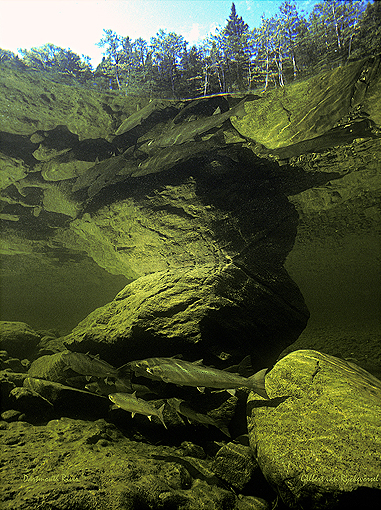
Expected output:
(190, 307)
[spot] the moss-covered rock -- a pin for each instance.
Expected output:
(317, 439)
(91, 465)
(312, 110)
(50, 367)
(205, 311)
(41, 105)
(235, 464)
(18, 339)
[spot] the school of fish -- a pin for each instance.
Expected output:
(123, 393)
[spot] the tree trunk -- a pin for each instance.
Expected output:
(336, 27)
(206, 83)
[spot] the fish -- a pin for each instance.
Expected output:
(88, 365)
(201, 107)
(133, 404)
(186, 373)
(244, 368)
(102, 387)
(180, 133)
(105, 388)
(166, 158)
(182, 408)
(154, 107)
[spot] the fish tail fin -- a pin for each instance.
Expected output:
(160, 415)
(257, 383)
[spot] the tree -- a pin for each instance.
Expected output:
(52, 58)
(213, 65)
(192, 82)
(368, 36)
(292, 27)
(333, 26)
(282, 48)
(234, 45)
(167, 53)
(113, 55)
(265, 42)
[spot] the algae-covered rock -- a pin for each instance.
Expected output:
(43, 105)
(58, 200)
(235, 464)
(89, 464)
(18, 339)
(59, 169)
(320, 112)
(31, 403)
(206, 311)
(49, 367)
(11, 170)
(317, 440)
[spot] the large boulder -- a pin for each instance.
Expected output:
(217, 313)
(317, 440)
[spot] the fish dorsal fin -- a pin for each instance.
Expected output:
(197, 362)
(134, 395)
(160, 414)
(175, 403)
(245, 366)
(132, 413)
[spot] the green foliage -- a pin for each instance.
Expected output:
(284, 48)
(57, 60)
(236, 54)
(367, 39)
(7, 56)
(168, 53)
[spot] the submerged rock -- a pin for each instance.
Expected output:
(49, 367)
(78, 464)
(317, 440)
(235, 464)
(206, 311)
(310, 116)
(31, 403)
(18, 339)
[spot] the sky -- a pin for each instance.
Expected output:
(78, 24)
